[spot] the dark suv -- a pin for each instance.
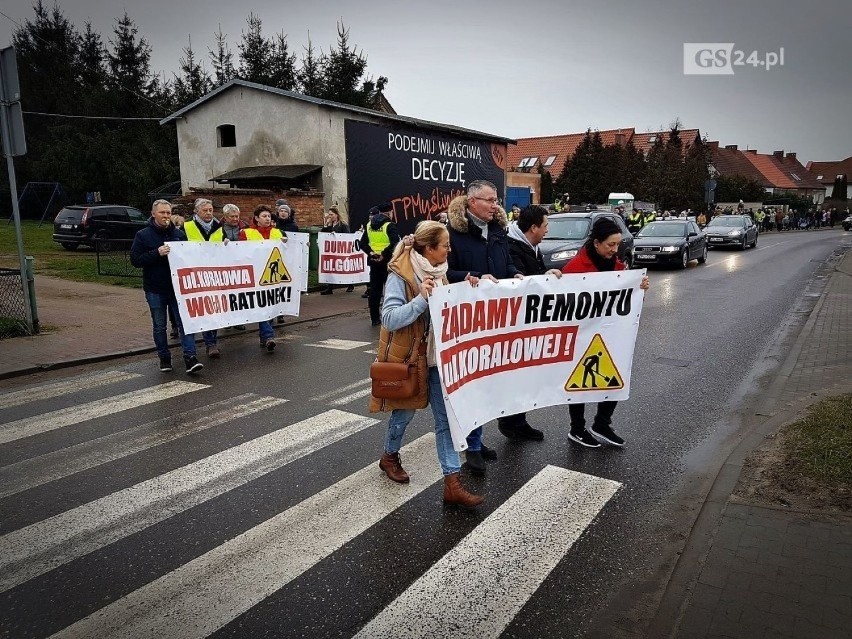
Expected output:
(567, 232)
(75, 225)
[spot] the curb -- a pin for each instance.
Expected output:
(690, 562)
(102, 357)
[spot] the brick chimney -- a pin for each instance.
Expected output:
(619, 138)
(713, 146)
(731, 147)
(752, 151)
(778, 154)
(791, 156)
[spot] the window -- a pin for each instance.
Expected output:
(550, 160)
(226, 135)
(522, 163)
(135, 215)
(652, 139)
(819, 177)
(795, 177)
(531, 162)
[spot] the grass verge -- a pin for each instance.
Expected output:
(820, 444)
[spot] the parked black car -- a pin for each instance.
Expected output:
(567, 232)
(731, 230)
(75, 225)
(671, 242)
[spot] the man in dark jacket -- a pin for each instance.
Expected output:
(524, 237)
(150, 253)
(378, 242)
(478, 249)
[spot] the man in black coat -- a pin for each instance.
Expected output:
(378, 242)
(478, 249)
(150, 253)
(524, 237)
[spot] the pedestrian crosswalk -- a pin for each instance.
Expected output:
(309, 447)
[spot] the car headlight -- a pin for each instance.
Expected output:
(563, 255)
(735, 232)
(670, 249)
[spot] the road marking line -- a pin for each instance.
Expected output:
(733, 257)
(198, 598)
(45, 545)
(339, 344)
(342, 389)
(70, 385)
(47, 422)
(478, 587)
(372, 351)
(352, 397)
(39, 470)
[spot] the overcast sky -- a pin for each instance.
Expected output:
(530, 68)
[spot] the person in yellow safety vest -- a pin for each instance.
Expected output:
(263, 228)
(203, 227)
(635, 221)
(648, 216)
(378, 242)
(759, 216)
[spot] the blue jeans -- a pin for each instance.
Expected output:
(266, 331)
(400, 419)
(209, 338)
(158, 303)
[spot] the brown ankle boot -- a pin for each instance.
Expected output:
(455, 493)
(392, 467)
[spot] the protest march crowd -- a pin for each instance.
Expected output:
(512, 315)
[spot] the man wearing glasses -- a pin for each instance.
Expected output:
(479, 249)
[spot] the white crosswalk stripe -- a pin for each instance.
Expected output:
(42, 546)
(338, 391)
(339, 344)
(478, 587)
(68, 385)
(77, 414)
(67, 461)
(205, 594)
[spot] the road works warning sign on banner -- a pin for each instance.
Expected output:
(219, 285)
(519, 345)
(341, 260)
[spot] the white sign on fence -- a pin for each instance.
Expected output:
(518, 345)
(219, 285)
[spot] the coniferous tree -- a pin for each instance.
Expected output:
(733, 188)
(696, 172)
(282, 64)
(130, 65)
(841, 183)
(93, 72)
(344, 70)
(255, 53)
(222, 60)
(546, 188)
(310, 75)
(193, 82)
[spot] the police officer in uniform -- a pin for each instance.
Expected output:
(635, 221)
(379, 239)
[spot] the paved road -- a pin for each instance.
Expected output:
(247, 502)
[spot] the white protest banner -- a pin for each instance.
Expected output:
(304, 239)
(341, 260)
(219, 285)
(518, 345)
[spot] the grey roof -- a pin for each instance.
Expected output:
(414, 122)
(282, 171)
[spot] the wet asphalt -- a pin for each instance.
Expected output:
(710, 338)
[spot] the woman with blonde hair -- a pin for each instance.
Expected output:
(334, 223)
(413, 272)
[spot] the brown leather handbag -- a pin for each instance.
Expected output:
(398, 380)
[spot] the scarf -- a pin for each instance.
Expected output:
(601, 263)
(482, 224)
(205, 225)
(423, 268)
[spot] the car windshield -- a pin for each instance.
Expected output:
(568, 228)
(726, 221)
(663, 230)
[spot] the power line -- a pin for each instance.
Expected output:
(86, 117)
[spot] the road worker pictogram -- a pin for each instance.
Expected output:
(595, 370)
(275, 271)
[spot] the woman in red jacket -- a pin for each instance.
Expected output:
(599, 253)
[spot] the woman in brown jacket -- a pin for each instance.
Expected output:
(413, 272)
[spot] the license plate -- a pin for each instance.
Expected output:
(715, 239)
(646, 257)
(66, 226)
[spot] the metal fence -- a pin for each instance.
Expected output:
(13, 307)
(113, 258)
